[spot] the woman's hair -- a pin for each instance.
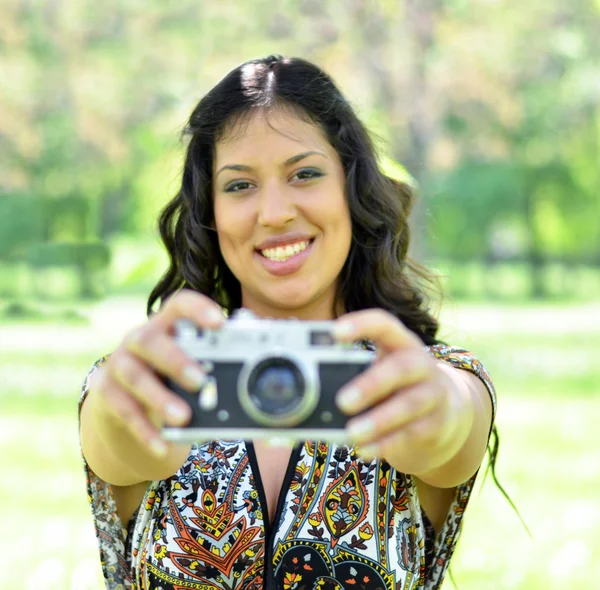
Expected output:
(377, 272)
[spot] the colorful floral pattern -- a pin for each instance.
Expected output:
(345, 523)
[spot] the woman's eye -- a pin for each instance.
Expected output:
(304, 174)
(236, 187)
(308, 174)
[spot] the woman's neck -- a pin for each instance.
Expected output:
(320, 311)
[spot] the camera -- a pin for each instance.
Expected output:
(267, 378)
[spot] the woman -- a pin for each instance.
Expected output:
(283, 211)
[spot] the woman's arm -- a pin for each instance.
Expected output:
(471, 432)
(112, 450)
(422, 415)
(125, 401)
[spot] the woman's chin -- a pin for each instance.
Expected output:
(296, 302)
(300, 302)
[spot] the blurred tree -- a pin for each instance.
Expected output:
(493, 111)
(525, 109)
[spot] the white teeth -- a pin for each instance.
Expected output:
(283, 253)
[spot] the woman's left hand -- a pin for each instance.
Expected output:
(417, 416)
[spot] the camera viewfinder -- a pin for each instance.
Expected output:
(321, 338)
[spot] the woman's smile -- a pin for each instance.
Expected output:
(283, 253)
(285, 260)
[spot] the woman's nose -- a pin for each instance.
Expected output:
(276, 207)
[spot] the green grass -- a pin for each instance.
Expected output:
(541, 358)
(548, 464)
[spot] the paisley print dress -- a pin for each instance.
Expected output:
(341, 522)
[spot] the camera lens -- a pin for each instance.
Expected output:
(276, 387)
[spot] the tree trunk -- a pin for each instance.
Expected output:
(420, 18)
(411, 127)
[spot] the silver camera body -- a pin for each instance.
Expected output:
(267, 379)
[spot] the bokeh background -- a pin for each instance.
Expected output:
(490, 107)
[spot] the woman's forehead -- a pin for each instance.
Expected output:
(273, 128)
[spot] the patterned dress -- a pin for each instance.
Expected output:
(341, 522)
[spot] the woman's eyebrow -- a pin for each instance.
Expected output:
(288, 162)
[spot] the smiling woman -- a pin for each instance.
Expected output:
(283, 210)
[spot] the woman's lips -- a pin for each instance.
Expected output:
(287, 267)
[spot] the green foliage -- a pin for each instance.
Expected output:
(495, 120)
(21, 222)
(90, 256)
(395, 170)
(473, 195)
(19, 311)
(88, 261)
(138, 264)
(510, 281)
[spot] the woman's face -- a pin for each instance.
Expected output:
(281, 215)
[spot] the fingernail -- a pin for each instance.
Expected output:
(213, 315)
(195, 375)
(342, 329)
(158, 447)
(176, 411)
(348, 399)
(361, 430)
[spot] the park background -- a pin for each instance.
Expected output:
(490, 108)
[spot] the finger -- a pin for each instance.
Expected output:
(192, 306)
(159, 350)
(147, 388)
(385, 330)
(413, 444)
(128, 411)
(399, 410)
(397, 370)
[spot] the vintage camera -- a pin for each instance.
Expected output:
(268, 378)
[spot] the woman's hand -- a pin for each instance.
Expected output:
(417, 417)
(127, 386)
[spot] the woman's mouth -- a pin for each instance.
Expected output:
(283, 253)
(287, 259)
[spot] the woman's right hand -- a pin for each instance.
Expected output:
(127, 386)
